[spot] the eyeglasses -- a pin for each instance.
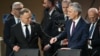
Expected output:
(18, 8)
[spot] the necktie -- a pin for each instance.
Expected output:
(18, 20)
(73, 27)
(27, 32)
(91, 30)
(66, 18)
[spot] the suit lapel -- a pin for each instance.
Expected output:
(32, 31)
(21, 34)
(77, 26)
(68, 26)
(96, 29)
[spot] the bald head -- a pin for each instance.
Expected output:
(17, 5)
(93, 15)
(66, 1)
(93, 10)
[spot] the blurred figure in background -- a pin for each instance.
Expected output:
(94, 32)
(58, 6)
(11, 20)
(99, 12)
(50, 25)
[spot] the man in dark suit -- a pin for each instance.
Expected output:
(76, 30)
(94, 32)
(11, 20)
(50, 23)
(64, 17)
(24, 35)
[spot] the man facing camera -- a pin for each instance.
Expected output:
(76, 30)
(24, 35)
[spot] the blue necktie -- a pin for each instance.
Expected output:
(27, 32)
(91, 30)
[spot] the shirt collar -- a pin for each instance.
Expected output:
(51, 11)
(23, 24)
(77, 20)
(16, 19)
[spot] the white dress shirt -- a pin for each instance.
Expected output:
(16, 20)
(76, 21)
(93, 29)
(50, 13)
(24, 27)
(91, 36)
(65, 17)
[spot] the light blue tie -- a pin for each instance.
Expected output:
(91, 30)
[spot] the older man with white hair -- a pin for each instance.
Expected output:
(76, 30)
(94, 32)
(11, 20)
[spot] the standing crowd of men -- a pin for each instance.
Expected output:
(62, 26)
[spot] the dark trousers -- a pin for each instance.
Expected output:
(94, 52)
(9, 51)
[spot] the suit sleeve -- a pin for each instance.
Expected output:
(96, 40)
(6, 33)
(44, 37)
(12, 38)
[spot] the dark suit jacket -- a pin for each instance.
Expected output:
(17, 37)
(6, 34)
(50, 23)
(78, 40)
(96, 36)
(50, 27)
(7, 28)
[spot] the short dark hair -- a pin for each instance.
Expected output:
(52, 1)
(24, 10)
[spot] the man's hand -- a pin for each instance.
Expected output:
(89, 42)
(53, 40)
(64, 42)
(16, 48)
(46, 47)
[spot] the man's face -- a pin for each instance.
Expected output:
(92, 17)
(45, 3)
(26, 18)
(16, 10)
(64, 7)
(72, 13)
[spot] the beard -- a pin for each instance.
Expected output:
(47, 9)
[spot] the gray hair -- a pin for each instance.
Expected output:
(76, 6)
(95, 10)
(15, 4)
(68, 1)
(24, 10)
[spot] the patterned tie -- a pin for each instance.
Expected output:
(73, 27)
(91, 30)
(27, 32)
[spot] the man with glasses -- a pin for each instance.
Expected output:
(14, 19)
